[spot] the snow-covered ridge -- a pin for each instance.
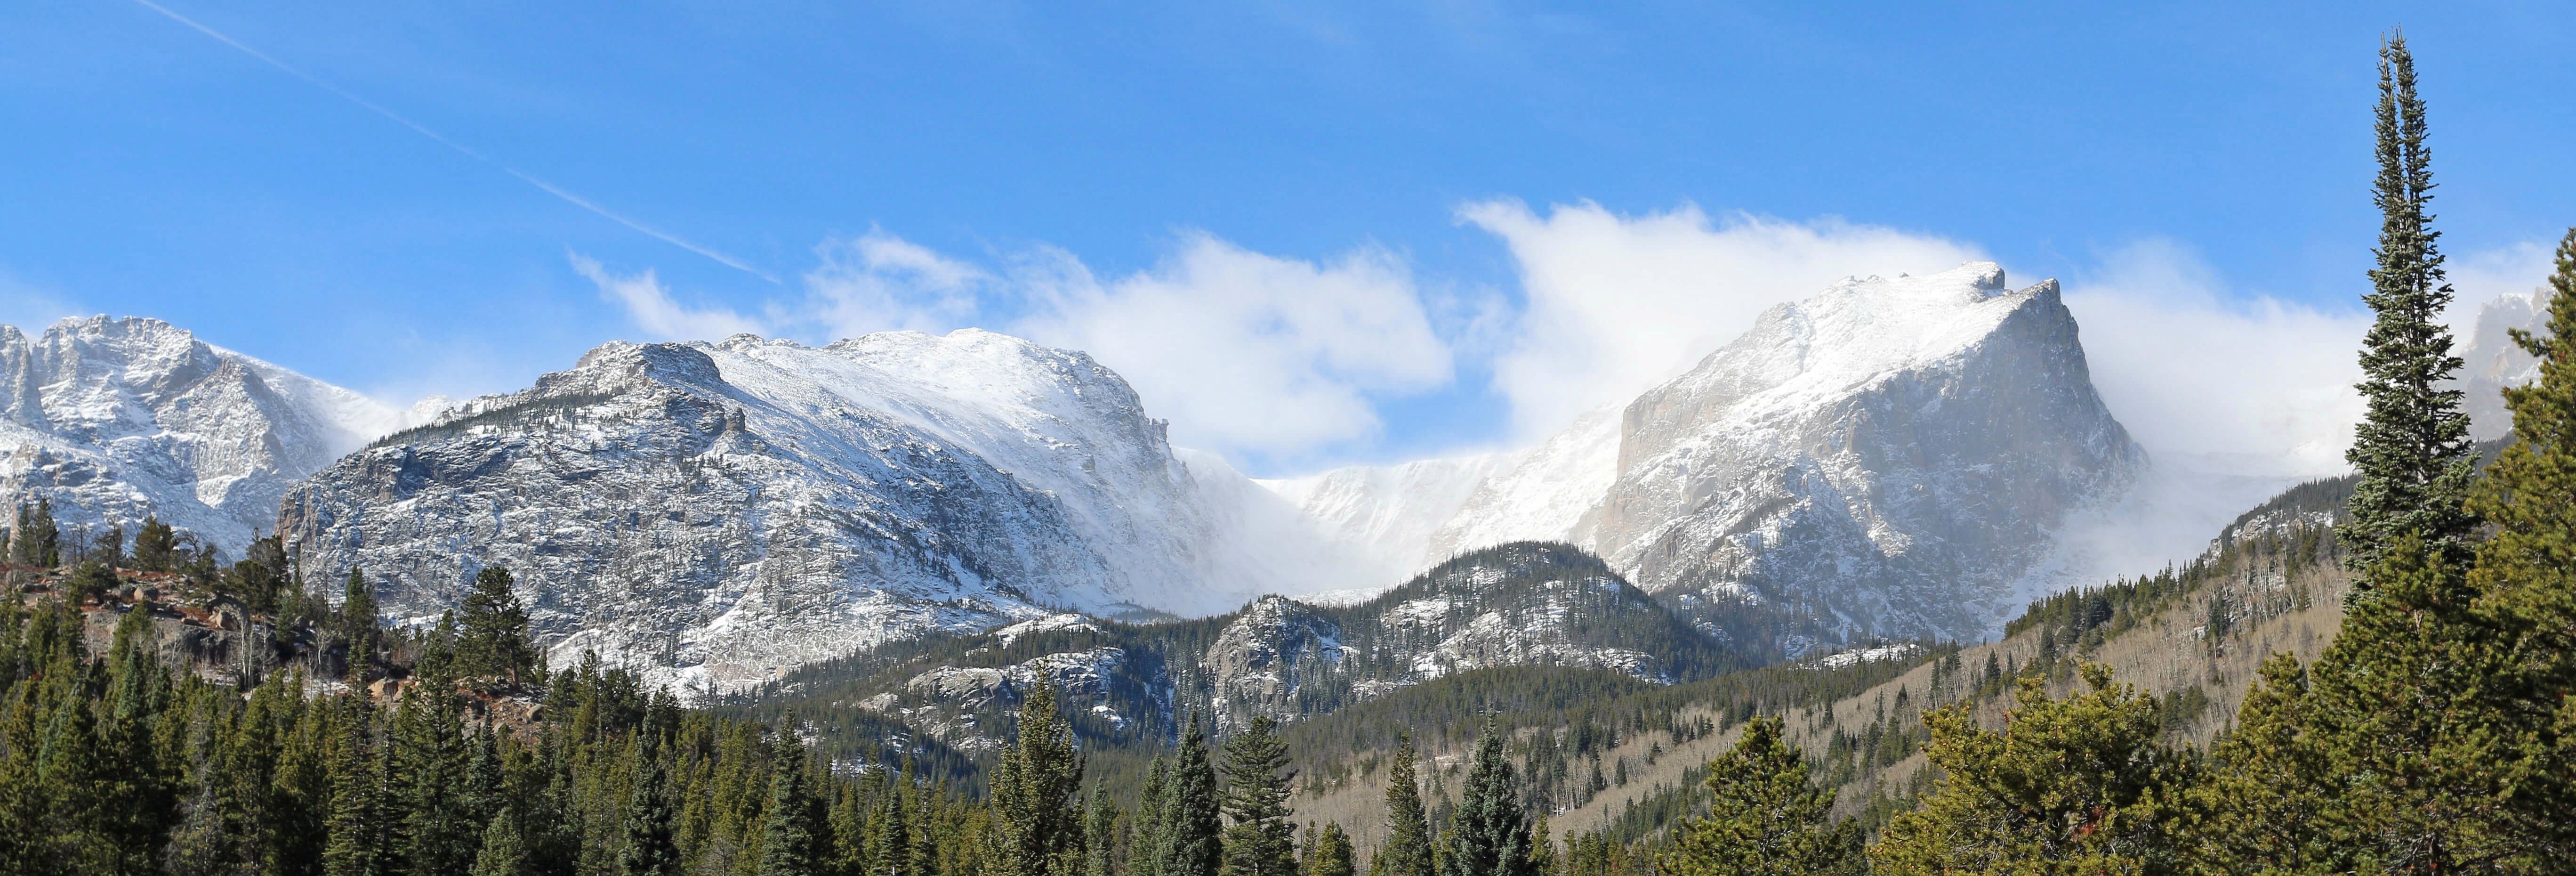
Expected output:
(726, 511)
(117, 419)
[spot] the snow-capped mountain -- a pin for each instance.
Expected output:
(725, 511)
(1521, 604)
(116, 419)
(1889, 457)
(2491, 361)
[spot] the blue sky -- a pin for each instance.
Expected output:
(1392, 207)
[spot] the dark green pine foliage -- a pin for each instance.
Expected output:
(1191, 844)
(890, 842)
(1145, 856)
(438, 833)
(790, 844)
(2265, 804)
(1764, 817)
(154, 545)
(493, 642)
(1036, 794)
(504, 852)
(356, 825)
(1333, 854)
(1262, 841)
(649, 849)
(357, 627)
(1101, 835)
(2412, 447)
(1407, 850)
(1489, 832)
(2526, 575)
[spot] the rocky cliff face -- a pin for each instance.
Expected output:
(116, 419)
(726, 511)
(2491, 361)
(1889, 457)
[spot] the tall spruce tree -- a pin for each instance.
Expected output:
(358, 633)
(1489, 833)
(1764, 817)
(1145, 857)
(790, 841)
(1101, 835)
(649, 849)
(1262, 839)
(2526, 575)
(1036, 794)
(1407, 850)
(494, 640)
(504, 852)
(356, 826)
(1190, 844)
(2265, 803)
(2412, 448)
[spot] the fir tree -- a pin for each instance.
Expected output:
(1542, 843)
(2412, 448)
(1190, 844)
(1764, 817)
(2077, 785)
(2265, 803)
(1145, 857)
(356, 825)
(890, 846)
(1489, 835)
(1262, 839)
(47, 549)
(1101, 835)
(1407, 850)
(153, 545)
(437, 835)
(648, 850)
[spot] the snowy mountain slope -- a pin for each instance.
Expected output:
(1392, 512)
(1522, 604)
(2491, 361)
(117, 419)
(1891, 456)
(1887, 457)
(722, 512)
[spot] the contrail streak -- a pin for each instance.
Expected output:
(467, 151)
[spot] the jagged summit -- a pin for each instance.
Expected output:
(1887, 457)
(114, 419)
(725, 511)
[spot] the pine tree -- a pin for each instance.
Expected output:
(1190, 845)
(1333, 855)
(788, 842)
(494, 641)
(2526, 575)
(649, 849)
(436, 835)
(1407, 850)
(1101, 835)
(2265, 803)
(890, 845)
(2413, 728)
(1489, 834)
(1145, 857)
(2077, 785)
(1262, 839)
(48, 550)
(1036, 796)
(357, 628)
(2412, 448)
(503, 852)
(1764, 817)
(153, 545)
(356, 825)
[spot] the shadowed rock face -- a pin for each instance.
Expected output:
(723, 512)
(1889, 457)
(116, 419)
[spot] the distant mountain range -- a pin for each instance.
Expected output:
(1891, 457)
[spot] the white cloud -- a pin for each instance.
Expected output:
(1616, 304)
(1246, 351)
(2479, 278)
(650, 306)
(2242, 383)
(879, 282)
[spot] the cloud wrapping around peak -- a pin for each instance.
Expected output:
(1245, 353)
(1616, 303)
